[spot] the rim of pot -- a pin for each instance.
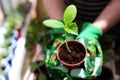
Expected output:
(72, 65)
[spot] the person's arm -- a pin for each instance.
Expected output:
(54, 8)
(109, 16)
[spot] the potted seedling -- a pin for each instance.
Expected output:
(70, 53)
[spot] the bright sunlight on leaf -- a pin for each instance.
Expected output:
(72, 28)
(53, 23)
(70, 14)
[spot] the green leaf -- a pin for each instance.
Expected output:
(98, 67)
(71, 28)
(53, 23)
(62, 68)
(80, 73)
(89, 65)
(70, 14)
(60, 39)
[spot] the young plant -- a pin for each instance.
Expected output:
(68, 25)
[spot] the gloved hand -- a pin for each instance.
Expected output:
(89, 36)
(94, 59)
(89, 31)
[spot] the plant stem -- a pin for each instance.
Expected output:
(67, 45)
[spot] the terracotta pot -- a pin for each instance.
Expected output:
(79, 46)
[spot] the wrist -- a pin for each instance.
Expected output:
(101, 25)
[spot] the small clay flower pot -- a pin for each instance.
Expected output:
(73, 59)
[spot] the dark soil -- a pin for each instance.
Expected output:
(77, 53)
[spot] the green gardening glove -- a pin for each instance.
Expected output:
(89, 31)
(89, 36)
